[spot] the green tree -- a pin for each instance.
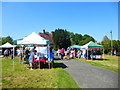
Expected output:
(61, 38)
(71, 34)
(7, 39)
(76, 38)
(118, 48)
(107, 45)
(116, 45)
(85, 39)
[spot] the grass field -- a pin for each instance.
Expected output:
(21, 77)
(111, 62)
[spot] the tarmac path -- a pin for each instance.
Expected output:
(89, 76)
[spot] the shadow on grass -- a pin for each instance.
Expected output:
(56, 65)
(45, 66)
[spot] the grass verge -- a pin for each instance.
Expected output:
(111, 62)
(21, 77)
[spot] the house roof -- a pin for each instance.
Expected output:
(47, 36)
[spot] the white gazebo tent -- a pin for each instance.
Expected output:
(8, 45)
(33, 38)
(92, 45)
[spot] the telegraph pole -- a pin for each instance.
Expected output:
(111, 43)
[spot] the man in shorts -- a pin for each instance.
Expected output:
(50, 57)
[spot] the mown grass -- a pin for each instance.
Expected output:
(110, 62)
(21, 77)
(0, 74)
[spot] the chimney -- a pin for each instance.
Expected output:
(44, 31)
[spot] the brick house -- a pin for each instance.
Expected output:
(47, 36)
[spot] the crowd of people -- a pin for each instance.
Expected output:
(32, 54)
(71, 53)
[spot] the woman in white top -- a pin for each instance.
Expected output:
(58, 53)
(79, 54)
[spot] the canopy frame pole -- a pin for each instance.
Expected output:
(48, 51)
(91, 54)
(103, 53)
(13, 53)
(13, 58)
(39, 57)
(23, 56)
(39, 63)
(87, 54)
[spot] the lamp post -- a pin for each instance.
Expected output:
(111, 43)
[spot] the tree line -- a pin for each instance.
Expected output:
(63, 39)
(4, 40)
(107, 46)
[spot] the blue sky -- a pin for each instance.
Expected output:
(96, 19)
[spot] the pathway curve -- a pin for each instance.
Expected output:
(89, 76)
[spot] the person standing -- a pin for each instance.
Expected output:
(31, 58)
(72, 53)
(114, 52)
(50, 57)
(21, 55)
(33, 48)
(6, 53)
(62, 53)
(27, 53)
(24, 52)
(75, 53)
(58, 53)
(79, 53)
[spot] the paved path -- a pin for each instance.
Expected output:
(88, 76)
